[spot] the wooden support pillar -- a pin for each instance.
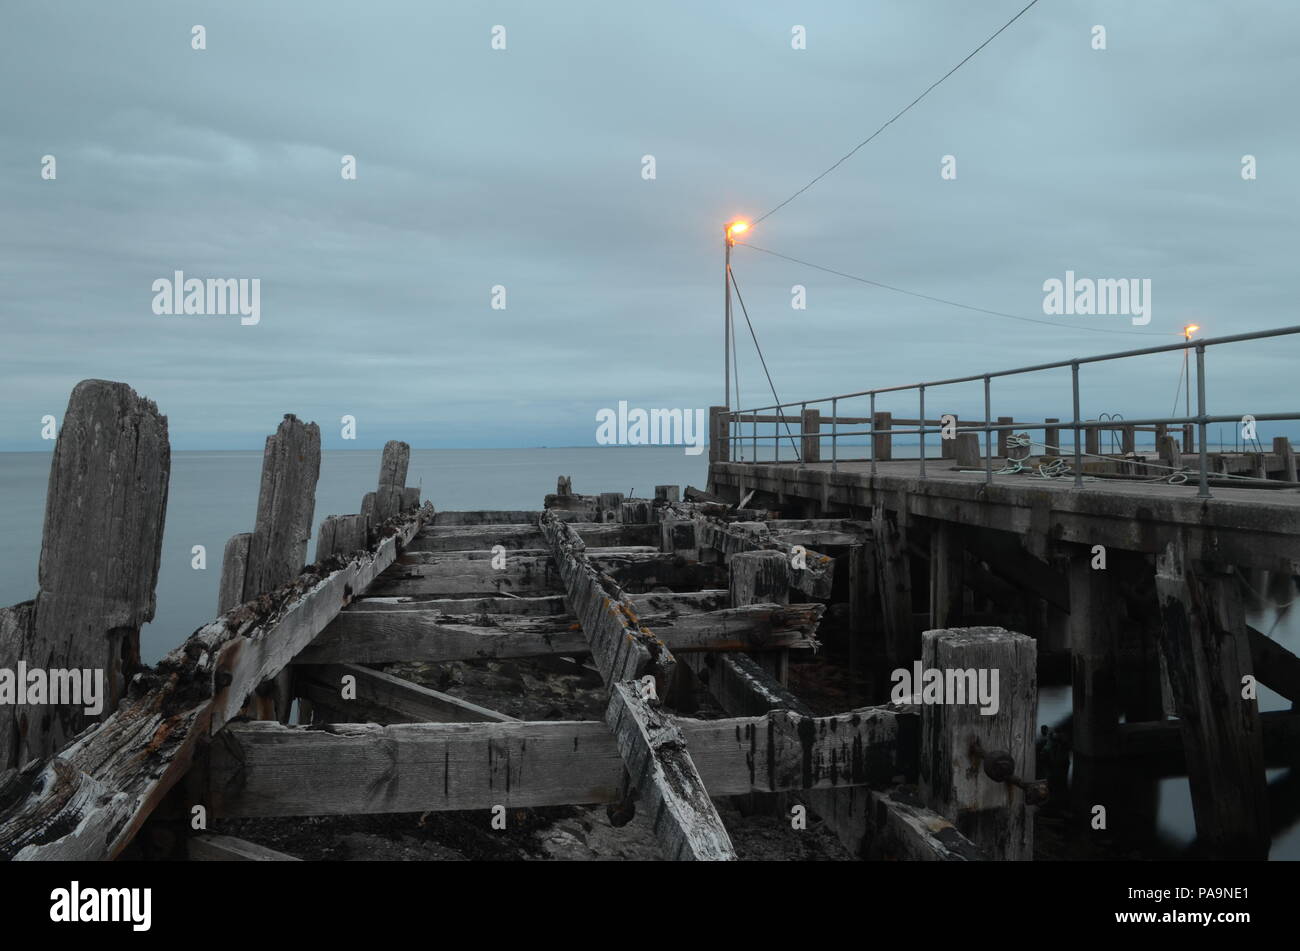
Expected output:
(1169, 452)
(1162, 430)
(960, 736)
(883, 442)
(1052, 437)
(392, 480)
(368, 512)
(410, 498)
(1189, 441)
(1094, 643)
(719, 445)
(947, 560)
(1128, 436)
(564, 486)
(1206, 652)
(100, 551)
(810, 426)
(889, 537)
(234, 568)
(1282, 446)
(861, 580)
(285, 504)
(762, 577)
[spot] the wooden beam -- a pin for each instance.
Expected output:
(1274, 666)
(373, 637)
(394, 699)
(259, 768)
(207, 847)
(529, 536)
(87, 802)
(814, 578)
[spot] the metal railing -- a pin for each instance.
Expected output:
(1201, 419)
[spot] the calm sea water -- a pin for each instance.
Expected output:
(213, 495)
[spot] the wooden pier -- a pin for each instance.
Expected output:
(698, 610)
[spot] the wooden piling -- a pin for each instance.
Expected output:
(1004, 436)
(889, 537)
(610, 507)
(958, 741)
(1206, 652)
(1094, 640)
(947, 559)
(340, 535)
(1282, 447)
(410, 498)
(104, 513)
(392, 479)
(234, 568)
(285, 503)
(667, 493)
(719, 444)
(762, 577)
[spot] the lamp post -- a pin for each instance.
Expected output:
(729, 232)
(1187, 376)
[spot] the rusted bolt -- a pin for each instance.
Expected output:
(999, 766)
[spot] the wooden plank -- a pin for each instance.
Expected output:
(89, 801)
(372, 637)
(401, 700)
(207, 847)
(285, 504)
(499, 517)
(672, 794)
(260, 768)
(516, 537)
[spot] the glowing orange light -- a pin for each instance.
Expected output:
(737, 227)
(1190, 329)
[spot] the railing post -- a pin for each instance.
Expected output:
(835, 430)
(776, 436)
(753, 431)
(872, 414)
(1078, 456)
(883, 422)
(1203, 491)
(1052, 437)
(810, 434)
(988, 433)
(922, 428)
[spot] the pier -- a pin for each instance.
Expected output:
(697, 610)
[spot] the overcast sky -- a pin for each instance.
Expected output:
(523, 167)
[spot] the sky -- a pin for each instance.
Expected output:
(523, 167)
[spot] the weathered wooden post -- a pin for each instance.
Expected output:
(104, 513)
(1092, 441)
(668, 493)
(564, 486)
(762, 577)
(392, 480)
(948, 447)
(810, 426)
(882, 442)
(1169, 453)
(340, 535)
(894, 585)
(947, 564)
(1004, 436)
(410, 498)
(719, 445)
(1282, 446)
(966, 451)
(1128, 437)
(285, 504)
(636, 512)
(1052, 436)
(1095, 657)
(610, 506)
(276, 550)
(977, 741)
(1206, 652)
(234, 566)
